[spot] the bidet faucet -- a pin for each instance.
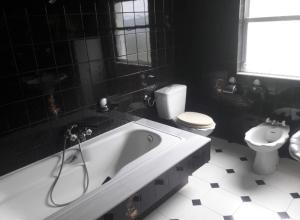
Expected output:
(276, 123)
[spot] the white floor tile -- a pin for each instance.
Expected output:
(266, 200)
(294, 209)
(284, 181)
(271, 198)
(201, 212)
(240, 185)
(210, 173)
(224, 160)
(195, 189)
(221, 201)
(289, 167)
(233, 148)
(245, 168)
(251, 211)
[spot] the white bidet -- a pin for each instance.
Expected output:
(266, 139)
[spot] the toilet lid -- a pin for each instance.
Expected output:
(195, 119)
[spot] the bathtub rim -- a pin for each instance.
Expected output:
(83, 145)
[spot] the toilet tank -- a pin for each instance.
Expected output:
(170, 101)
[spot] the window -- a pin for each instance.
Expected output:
(132, 32)
(269, 38)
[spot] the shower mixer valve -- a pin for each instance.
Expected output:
(80, 135)
(73, 137)
(86, 132)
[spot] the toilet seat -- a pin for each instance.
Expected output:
(195, 120)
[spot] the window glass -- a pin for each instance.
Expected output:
(273, 48)
(271, 8)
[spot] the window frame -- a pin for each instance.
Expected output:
(118, 58)
(244, 20)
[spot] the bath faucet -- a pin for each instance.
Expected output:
(79, 135)
(69, 133)
(84, 133)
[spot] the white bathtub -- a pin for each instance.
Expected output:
(121, 154)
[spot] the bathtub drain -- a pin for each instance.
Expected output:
(150, 138)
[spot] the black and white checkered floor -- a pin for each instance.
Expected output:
(227, 189)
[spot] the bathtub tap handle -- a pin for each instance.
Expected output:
(84, 133)
(88, 131)
(69, 133)
(103, 103)
(73, 137)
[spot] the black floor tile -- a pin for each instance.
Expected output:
(230, 171)
(283, 215)
(246, 198)
(228, 217)
(295, 195)
(196, 202)
(243, 158)
(260, 182)
(214, 185)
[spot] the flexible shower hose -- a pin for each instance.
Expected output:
(86, 176)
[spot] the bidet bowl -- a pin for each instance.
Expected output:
(266, 139)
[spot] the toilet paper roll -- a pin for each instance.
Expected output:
(229, 89)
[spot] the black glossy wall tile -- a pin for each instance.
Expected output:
(62, 53)
(79, 51)
(7, 62)
(45, 55)
(19, 28)
(108, 46)
(17, 115)
(57, 26)
(37, 109)
(25, 58)
(58, 59)
(13, 84)
(74, 26)
(70, 78)
(90, 24)
(39, 28)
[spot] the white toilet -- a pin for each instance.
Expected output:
(170, 104)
